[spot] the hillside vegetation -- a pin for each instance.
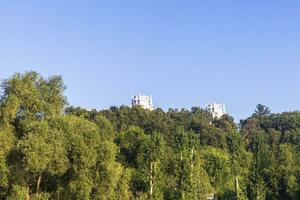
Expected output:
(51, 151)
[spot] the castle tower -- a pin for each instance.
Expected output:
(143, 101)
(216, 110)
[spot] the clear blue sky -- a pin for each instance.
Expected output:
(184, 53)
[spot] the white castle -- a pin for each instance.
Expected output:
(216, 110)
(143, 101)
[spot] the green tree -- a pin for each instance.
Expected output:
(193, 182)
(262, 110)
(240, 163)
(288, 167)
(28, 100)
(257, 185)
(110, 176)
(217, 165)
(83, 140)
(149, 161)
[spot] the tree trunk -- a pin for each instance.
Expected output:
(27, 194)
(181, 158)
(38, 183)
(151, 179)
(192, 158)
(236, 187)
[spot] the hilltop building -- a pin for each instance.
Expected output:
(216, 110)
(143, 101)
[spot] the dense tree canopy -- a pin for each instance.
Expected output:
(51, 151)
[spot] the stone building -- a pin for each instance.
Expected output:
(143, 101)
(216, 110)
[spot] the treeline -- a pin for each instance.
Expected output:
(51, 151)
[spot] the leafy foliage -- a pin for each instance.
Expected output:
(51, 151)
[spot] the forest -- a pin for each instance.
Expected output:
(51, 150)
